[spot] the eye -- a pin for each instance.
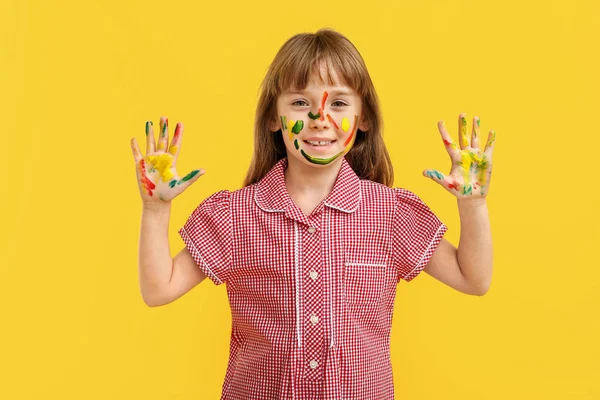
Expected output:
(299, 103)
(339, 103)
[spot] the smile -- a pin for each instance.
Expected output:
(319, 143)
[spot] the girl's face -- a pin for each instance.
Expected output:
(319, 123)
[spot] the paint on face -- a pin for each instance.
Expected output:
(296, 127)
(163, 164)
(283, 124)
(321, 110)
(147, 184)
(347, 146)
(345, 124)
(330, 119)
(314, 116)
(296, 145)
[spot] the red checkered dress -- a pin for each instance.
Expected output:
(311, 297)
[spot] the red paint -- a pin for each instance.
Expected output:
(323, 106)
(146, 183)
(453, 185)
(330, 119)
(447, 143)
(176, 134)
(352, 131)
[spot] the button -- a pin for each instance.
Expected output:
(312, 230)
(314, 275)
(313, 364)
(314, 319)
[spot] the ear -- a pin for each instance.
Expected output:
(274, 125)
(363, 125)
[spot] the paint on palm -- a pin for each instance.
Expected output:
(160, 166)
(296, 126)
(471, 164)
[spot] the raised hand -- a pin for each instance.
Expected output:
(158, 180)
(471, 170)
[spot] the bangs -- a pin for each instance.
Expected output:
(334, 60)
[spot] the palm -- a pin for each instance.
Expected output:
(157, 176)
(471, 170)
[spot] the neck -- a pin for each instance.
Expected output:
(304, 181)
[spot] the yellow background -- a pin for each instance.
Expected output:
(78, 79)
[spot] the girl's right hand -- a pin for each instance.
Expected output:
(158, 180)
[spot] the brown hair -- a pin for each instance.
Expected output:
(296, 61)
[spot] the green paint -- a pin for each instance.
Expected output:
(321, 161)
(298, 126)
(467, 189)
(190, 175)
(173, 183)
(464, 121)
(478, 122)
(164, 130)
(148, 125)
(283, 124)
(492, 138)
(296, 144)
(314, 116)
(437, 175)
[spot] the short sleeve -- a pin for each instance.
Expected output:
(208, 234)
(417, 232)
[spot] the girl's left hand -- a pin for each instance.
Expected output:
(471, 170)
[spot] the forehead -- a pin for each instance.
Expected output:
(323, 77)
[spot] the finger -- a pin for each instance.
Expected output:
(137, 154)
(188, 179)
(163, 136)
(434, 175)
(451, 147)
(489, 147)
(475, 134)
(149, 137)
(462, 131)
(176, 142)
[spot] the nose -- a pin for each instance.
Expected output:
(318, 124)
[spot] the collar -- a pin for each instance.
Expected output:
(271, 195)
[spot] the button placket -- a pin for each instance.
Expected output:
(312, 287)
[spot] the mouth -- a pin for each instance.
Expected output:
(319, 145)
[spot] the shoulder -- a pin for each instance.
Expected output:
(377, 194)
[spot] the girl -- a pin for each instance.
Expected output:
(313, 246)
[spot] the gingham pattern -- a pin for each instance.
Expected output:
(340, 266)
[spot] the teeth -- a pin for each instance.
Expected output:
(318, 143)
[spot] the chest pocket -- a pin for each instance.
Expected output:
(364, 282)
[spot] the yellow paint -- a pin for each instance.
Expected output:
(163, 165)
(173, 150)
(464, 141)
(345, 124)
(161, 145)
(467, 160)
(290, 125)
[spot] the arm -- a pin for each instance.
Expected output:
(162, 279)
(467, 269)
